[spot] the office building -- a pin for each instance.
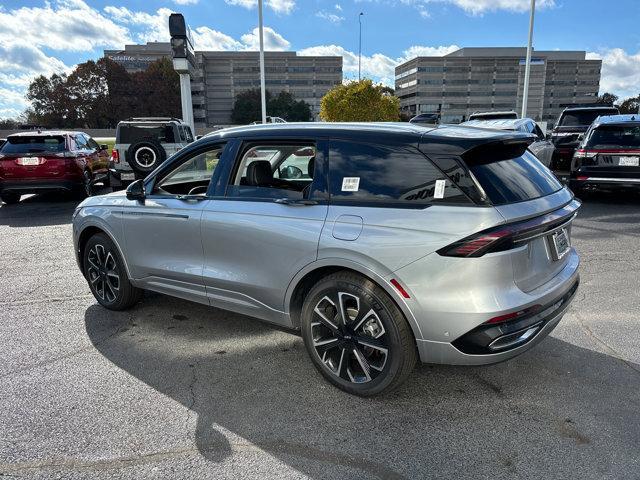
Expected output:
(220, 76)
(480, 79)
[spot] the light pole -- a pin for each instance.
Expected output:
(527, 68)
(360, 45)
(263, 94)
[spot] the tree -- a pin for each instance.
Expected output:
(607, 99)
(98, 94)
(247, 107)
(360, 101)
(630, 105)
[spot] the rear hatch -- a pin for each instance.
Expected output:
(33, 157)
(537, 209)
(611, 151)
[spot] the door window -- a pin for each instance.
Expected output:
(192, 177)
(274, 171)
(375, 174)
(81, 142)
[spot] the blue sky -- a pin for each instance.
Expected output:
(38, 37)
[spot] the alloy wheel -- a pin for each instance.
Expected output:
(103, 273)
(145, 157)
(349, 337)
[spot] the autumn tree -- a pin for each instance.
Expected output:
(630, 105)
(360, 101)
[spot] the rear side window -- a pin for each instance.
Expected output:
(374, 174)
(34, 144)
(138, 133)
(514, 180)
(626, 136)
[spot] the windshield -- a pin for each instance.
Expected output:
(33, 144)
(621, 136)
(580, 118)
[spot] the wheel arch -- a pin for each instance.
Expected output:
(304, 281)
(89, 231)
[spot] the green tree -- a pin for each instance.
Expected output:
(247, 107)
(630, 105)
(607, 99)
(360, 101)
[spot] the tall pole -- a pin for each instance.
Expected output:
(360, 46)
(263, 94)
(527, 68)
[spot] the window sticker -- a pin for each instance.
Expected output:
(438, 192)
(350, 184)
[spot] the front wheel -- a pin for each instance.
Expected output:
(104, 270)
(356, 335)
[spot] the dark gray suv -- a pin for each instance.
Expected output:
(378, 243)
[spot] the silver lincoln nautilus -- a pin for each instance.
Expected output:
(379, 243)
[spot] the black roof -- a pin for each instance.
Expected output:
(616, 119)
(451, 139)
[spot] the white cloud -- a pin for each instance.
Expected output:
(331, 17)
(338, 7)
(272, 40)
(620, 72)
(205, 38)
(278, 6)
(185, 2)
(476, 7)
(378, 66)
(62, 25)
(155, 27)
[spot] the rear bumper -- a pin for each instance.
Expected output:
(120, 178)
(39, 185)
(603, 181)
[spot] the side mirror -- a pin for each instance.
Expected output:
(135, 191)
(104, 146)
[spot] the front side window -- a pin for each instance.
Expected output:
(274, 171)
(193, 176)
(375, 174)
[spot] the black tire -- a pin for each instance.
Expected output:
(356, 361)
(10, 198)
(145, 156)
(102, 266)
(86, 188)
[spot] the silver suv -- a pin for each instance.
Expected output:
(143, 143)
(378, 243)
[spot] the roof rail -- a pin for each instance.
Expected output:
(139, 119)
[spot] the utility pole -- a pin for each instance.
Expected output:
(527, 68)
(360, 46)
(263, 94)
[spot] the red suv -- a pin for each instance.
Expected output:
(34, 162)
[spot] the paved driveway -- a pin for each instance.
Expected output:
(175, 390)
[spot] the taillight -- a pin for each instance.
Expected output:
(582, 153)
(115, 156)
(506, 237)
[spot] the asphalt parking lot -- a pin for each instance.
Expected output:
(175, 390)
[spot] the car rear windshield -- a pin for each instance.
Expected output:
(34, 144)
(615, 136)
(515, 179)
(138, 133)
(583, 117)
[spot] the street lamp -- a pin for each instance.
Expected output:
(263, 95)
(360, 45)
(527, 68)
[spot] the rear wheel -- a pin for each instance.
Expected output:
(356, 336)
(86, 188)
(10, 198)
(107, 277)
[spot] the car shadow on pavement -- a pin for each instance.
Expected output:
(558, 408)
(39, 210)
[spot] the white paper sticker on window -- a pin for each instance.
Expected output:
(439, 190)
(350, 184)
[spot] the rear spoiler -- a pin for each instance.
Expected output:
(496, 151)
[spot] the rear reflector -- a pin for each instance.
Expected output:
(514, 315)
(402, 291)
(582, 177)
(506, 237)
(115, 156)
